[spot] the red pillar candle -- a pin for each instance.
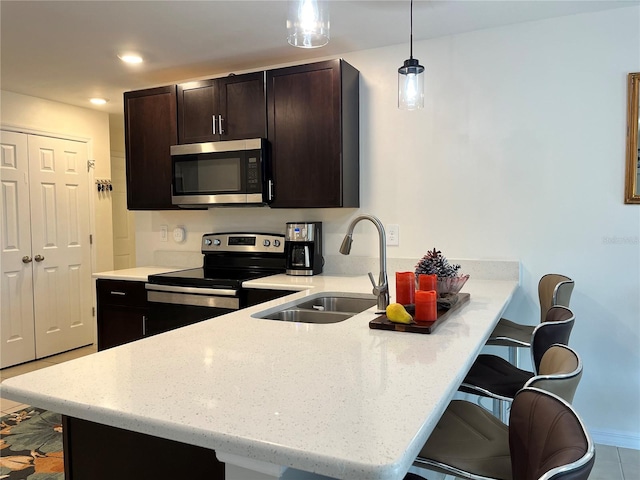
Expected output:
(405, 287)
(426, 306)
(427, 282)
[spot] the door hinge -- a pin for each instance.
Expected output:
(90, 239)
(91, 164)
(93, 311)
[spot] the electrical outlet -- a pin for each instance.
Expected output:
(164, 233)
(393, 234)
(179, 234)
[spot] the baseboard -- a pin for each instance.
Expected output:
(616, 438)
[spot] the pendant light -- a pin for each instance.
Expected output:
(308, 23)
(411, 79)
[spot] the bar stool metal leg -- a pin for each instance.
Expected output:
(513, 355)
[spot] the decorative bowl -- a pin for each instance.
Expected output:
(451, 285)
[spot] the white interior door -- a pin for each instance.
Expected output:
(17, 343)
(60, 244)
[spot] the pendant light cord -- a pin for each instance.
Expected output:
(411, 31)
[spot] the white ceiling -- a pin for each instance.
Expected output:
(66, 50)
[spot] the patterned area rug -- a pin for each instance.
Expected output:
(31, 445)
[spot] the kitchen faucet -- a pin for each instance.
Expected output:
(381, 290)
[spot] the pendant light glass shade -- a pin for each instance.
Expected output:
(308, 23)
(411, 85)
(411, 79)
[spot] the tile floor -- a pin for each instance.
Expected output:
(612, 463)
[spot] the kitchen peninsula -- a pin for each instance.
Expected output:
(280, 398)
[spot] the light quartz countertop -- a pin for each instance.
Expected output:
(341, 400)
(139, 274)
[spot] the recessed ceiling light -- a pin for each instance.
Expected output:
(130, 58)
(98, 101)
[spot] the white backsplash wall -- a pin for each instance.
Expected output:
(519, 154)
(197, 223)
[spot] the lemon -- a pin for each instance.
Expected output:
(397, 314)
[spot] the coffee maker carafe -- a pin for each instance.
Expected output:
(303, 248)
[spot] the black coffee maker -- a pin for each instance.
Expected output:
(303, 248)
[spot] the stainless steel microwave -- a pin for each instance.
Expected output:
(221, 173)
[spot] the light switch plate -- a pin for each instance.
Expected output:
(393, 234)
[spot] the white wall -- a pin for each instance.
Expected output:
(518, 154)
(36, 115)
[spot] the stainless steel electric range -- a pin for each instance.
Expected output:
(188, 296)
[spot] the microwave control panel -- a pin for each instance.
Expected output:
(253, 175)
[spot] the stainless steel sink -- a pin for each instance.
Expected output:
(308, 316)
(329, 307)
(339, 304)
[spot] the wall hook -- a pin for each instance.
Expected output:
(104, 185)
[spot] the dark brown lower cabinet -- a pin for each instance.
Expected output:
(93, 451)
(122, 312)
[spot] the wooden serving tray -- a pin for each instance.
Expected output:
(383, 323)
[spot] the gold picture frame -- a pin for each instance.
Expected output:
(632, 180)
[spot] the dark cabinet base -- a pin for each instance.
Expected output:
(122, 312)
(100, 452)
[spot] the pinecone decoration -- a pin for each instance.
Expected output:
(434, 263)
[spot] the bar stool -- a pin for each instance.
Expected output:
(494, 377)
(545, 438)
(553, 289)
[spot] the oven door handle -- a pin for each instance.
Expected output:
(195, 290)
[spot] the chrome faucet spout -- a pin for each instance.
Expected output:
(381, 289)
(345, 248)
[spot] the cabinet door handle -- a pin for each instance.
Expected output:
(26, 259)
(270, 189)
(118, 293)
(144, 325)
(213, 124)
(220, 125)
(38, 258)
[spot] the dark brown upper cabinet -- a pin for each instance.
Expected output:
(229, 108)
(150, 130)
(313, 127)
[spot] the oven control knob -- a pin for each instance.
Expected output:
(216, 242)
(266, 243)
(276, 243)
(207, 241)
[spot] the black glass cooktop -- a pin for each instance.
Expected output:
(209, 278)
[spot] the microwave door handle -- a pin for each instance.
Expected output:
(270, 189)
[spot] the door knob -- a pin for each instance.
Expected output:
(38, 258)
(26, 259)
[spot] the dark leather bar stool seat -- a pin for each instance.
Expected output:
(493, 376)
